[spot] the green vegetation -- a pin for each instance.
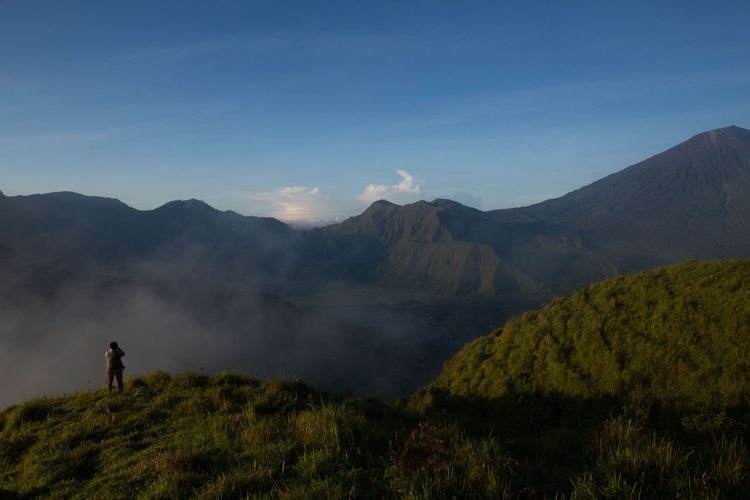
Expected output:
(636, 387)
(677, 337)
(228, 436)
(642, 382)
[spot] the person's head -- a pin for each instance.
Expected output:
(113, 345)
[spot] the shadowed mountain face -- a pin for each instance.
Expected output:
(692, 201)
(415, 247)
(454, 250)
(92, 234)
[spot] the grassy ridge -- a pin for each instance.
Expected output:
(678, 337)
(229, 436)
(636, 387)
(642, 382)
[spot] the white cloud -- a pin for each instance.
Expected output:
(294, 203)
(406, 190)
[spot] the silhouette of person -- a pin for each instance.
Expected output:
(114, 356)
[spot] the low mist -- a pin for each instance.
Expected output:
(56, 344)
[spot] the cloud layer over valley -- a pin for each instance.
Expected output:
(178, 318)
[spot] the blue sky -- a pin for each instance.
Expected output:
(310, 110)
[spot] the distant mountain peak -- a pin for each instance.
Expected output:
(197, 204)
(690, 200)
(383, 203)
(445, 202)
(71, 199)
(379, 207)
(720, 136)
(191, 204)
(73, 195)
(453, 205)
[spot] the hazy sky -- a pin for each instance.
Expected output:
(310, 110)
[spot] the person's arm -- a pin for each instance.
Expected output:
(121, 353)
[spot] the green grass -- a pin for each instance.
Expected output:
(229, 436)
(677, 338)
(584, 399)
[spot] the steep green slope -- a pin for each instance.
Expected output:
(678, 337)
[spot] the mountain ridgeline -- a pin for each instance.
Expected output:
(93, 234)
(690, 202)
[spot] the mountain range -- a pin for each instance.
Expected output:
(407, 285)
(690, 202)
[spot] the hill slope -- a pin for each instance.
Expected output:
(578, 373)
(229, 436)
(678, 336)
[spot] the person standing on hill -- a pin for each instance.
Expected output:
(114, 356)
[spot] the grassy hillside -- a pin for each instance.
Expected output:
(228, 436)
(677, 337)
(636, 387)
